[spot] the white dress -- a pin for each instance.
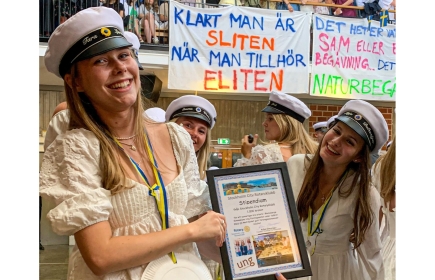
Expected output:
(389, 243)
(333, 258)
(260, 154)
(70, 175)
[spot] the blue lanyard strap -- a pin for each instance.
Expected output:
(157, 190)
(317, 228)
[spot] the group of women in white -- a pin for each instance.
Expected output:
(132, 190)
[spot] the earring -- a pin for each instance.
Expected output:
(356, 160)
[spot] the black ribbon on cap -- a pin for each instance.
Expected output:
(286, 111)
(186, 111)
(361, 126)
(84, 43)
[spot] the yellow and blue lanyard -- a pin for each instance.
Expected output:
(322, 210)
(157, 190)
(317, 228)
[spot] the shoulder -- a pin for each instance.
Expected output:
(298, 160)
(177, 131)
(75, 141)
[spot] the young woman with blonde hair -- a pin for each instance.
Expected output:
(283, 126)
(126, 187)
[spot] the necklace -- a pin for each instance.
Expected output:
(132, 146)
(125, 138)
(323, 196)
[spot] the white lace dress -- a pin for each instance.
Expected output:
(333, 258)
(70, 175)
(389, 243)
(260, 154)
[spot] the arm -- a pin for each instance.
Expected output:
(104, 253)
(348, 3)
(290, 8)
(260, 155)
(207, 248)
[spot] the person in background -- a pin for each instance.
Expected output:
(285, 5)
(163, 16)
(384, 180)
(110, 155)
(114, 4)
(151, 20)
(343, 12)
(132, 38)
(322, 9)
(198, 117)
(337, 206)
(331, 121)
(135, 14)
(320, 129)
(283, 127)
(157, 114)
(307, 6)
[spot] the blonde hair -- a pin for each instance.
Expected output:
(203, 153)
(83, 115)
(388, 172)
(294, 133)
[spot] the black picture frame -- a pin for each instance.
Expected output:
(269, 186)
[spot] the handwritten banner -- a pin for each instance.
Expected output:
(238, 49)
(352, 59)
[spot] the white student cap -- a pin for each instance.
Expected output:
(366, 120)
(331, 119)
(281, 103)
(90, 32)
(157, 114)
(132, 38)
(192, 106)
(320, 125)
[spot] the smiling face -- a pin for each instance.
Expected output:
(110, 80)
(341, 145)
(196, 128)
(271, 128)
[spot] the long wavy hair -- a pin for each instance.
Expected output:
(388, 172)
(84, 115)
(362, 215)
(202, 156)
(292, 132)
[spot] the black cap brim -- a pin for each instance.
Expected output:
(104, 46)
(352, 124)
(269, 109)
(197, 116)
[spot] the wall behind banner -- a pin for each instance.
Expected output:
(237, 115)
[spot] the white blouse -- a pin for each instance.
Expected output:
(260, 154)
(333, 258)
(71, 176)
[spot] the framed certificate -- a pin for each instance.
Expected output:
(264, 234)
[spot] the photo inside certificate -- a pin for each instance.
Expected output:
(260, 237)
